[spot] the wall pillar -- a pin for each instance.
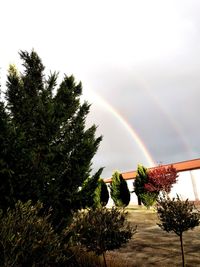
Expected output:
(194, 186)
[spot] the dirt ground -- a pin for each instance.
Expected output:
(151, 246)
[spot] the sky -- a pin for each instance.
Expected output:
(138, 61)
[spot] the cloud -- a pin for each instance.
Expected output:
(142, 57)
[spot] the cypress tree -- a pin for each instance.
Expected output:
(140, 180)
(141, 184)
(101, 196)
(119, 190)
(49, 149)
(86, 196)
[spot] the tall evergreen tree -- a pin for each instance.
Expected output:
(86, 196)
(6, 140)
(119, 190)
(140, 180)
(50, 150)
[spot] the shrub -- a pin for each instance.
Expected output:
(28, 239)
(119, 190)
(177, 216)
(102, 229)
(149, 199)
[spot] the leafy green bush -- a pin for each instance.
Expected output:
(102, 229)
(177, 216)
(28, 239)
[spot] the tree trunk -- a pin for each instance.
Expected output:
(139, 201)
(104, 259)
(182, 250)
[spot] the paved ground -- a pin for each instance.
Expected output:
(151, 246)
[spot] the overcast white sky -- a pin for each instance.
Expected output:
(141, 57)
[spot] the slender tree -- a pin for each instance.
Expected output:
(86, 196)
(177, 216)
(49, 148)
(140, 180)
(6, 141)
(101, 196)
(119, 190)
(101, 229)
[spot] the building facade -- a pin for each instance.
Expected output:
(187, 186)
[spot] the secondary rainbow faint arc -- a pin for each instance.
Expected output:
(171, 120)
(126, 125)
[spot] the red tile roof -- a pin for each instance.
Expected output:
(180, 167)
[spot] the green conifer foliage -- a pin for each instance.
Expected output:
(101, 196)
(119, 190)
(140, 180)
(49, 149)
(6, 140)
(149, 183)
(144, 196)
(86, 196)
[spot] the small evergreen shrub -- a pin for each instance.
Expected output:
(149, 199)
(28, 239)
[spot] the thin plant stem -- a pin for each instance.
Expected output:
(182, 250)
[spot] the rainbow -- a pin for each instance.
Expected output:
(96, 98)
(143, 84)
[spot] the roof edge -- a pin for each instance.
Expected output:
(187, 165)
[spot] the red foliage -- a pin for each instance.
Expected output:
(161, 179)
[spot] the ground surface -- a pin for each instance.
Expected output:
(151, 246)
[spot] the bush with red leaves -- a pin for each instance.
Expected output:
(161, 179)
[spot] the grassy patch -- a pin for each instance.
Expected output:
(151, 246)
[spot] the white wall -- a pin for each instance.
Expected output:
(187, 186)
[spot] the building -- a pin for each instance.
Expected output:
(188, 181)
